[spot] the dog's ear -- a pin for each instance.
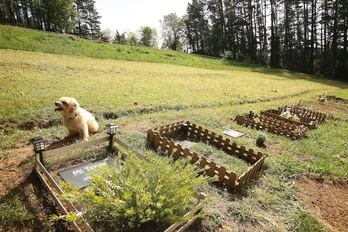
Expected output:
(74, 104)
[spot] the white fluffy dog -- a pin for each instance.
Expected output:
(76, 119)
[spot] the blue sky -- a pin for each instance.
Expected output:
(130, 15)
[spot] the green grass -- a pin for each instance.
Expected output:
(14, 213)
(38, 41)
(231, 163)
(141, 88)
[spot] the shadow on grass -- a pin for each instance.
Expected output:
(62, 143)
(29, 196)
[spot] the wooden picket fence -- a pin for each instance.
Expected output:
(272, 125)
(318, 117)
(334, 98)
(159, 140)
(275, 113)
(272, 121)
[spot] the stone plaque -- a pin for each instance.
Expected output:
(186, 144)
(78, 177)
(233, 133)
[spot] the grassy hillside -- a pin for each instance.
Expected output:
(38, 41)
(140, 88)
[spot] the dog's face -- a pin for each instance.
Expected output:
(66, 105)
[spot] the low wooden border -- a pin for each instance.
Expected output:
(158, 139)
(66, 206)
(275, 113)
(272, 125)
(309, 114)
(334, 98)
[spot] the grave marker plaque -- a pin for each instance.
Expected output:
(233, 133)
(78, 176)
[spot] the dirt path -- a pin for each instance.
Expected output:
(328, 201)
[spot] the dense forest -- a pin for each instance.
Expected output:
(78, 17)
(308, 36)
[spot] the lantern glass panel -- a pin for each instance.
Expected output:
(39, 143)
(111, 128)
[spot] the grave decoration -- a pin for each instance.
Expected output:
(161, 140)
(72, 164)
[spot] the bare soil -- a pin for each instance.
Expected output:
(328, 201)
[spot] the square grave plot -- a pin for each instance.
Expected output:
(292, 122)
(78, 176)
(272, 125)
(161, 140)
(297, 115)
(334, 98)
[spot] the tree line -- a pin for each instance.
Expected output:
(78, 17)
(308, 36)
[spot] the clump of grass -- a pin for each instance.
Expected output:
(14, 213)
(244, 211)
(303, 220)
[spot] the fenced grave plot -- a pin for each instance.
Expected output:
(289, 118)
(162, 140)
(306, 113)
(272, 125)
(289, 121)
(334, 98)
(78, 159)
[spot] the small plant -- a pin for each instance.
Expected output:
(156, 192)
(260, 140)
(226, 56)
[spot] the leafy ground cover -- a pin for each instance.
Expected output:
(142, 95)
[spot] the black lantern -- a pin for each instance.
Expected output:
(185, 130)
(111, 131)
(39, 144)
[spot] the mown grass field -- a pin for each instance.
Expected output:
(141, 88)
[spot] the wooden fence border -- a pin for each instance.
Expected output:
(334, 98)
(271, 121)
(158, 139)
(314, 115)
(275, 113)
(272, 125)
(66, 206)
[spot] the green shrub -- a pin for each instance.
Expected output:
(261, 139)
(157, 192)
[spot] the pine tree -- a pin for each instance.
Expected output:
(88, 24)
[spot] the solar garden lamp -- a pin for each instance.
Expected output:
(111, 131)
(39, 144)
(185, 129)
